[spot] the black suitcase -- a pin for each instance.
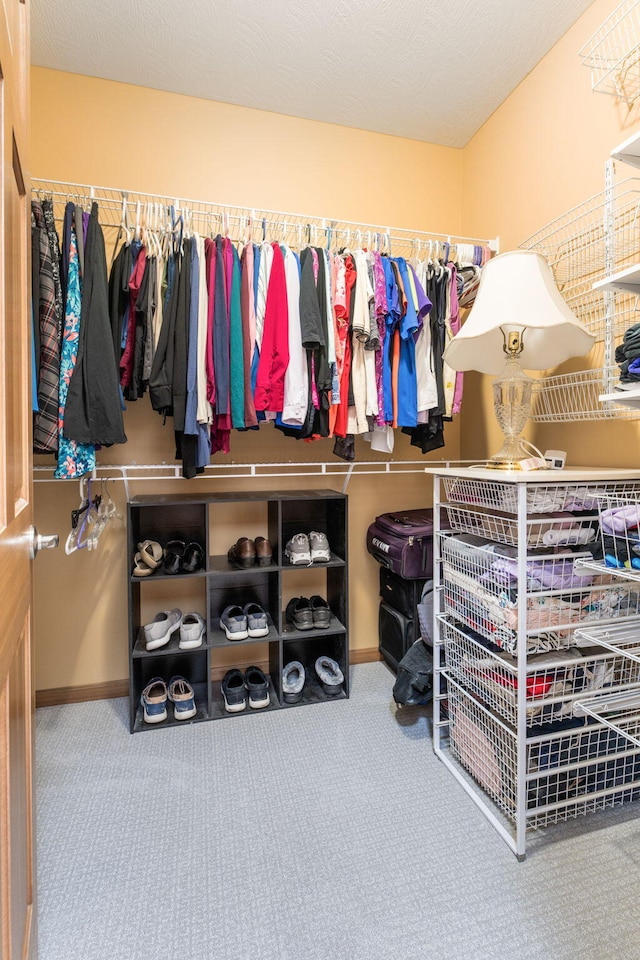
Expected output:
(403, 595)
(396, 633)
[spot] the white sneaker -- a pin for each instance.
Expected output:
(192, 631)
(298, 550)
(319, 544)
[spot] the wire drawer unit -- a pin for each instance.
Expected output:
(519, 671)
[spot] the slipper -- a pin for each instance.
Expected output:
(151, 553)
(193, 558)
(140, 568)
(173, 556)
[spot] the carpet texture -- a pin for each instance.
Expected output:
(314, 833)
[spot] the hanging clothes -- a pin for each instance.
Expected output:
(274, 349)
(93, 414)
(161, 379)
(74, 459)
(46, 310)
(248, 312)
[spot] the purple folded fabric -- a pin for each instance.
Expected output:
(620, 519)
(552, 574)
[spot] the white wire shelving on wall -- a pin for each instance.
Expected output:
(613, 54)
(587, 248)
(240, 223)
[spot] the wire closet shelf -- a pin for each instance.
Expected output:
(595, 239)
(613, 54)
(119, 206)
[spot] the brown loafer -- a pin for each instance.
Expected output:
(242, 553)
(264, 552)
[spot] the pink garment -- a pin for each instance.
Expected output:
(274, 354)
(381, 310)
(210, 260)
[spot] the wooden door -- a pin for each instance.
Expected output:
(17, 901)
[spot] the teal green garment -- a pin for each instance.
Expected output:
(237, 371)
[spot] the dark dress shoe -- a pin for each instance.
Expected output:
(173, 556)
(264, 552)
(242, 553)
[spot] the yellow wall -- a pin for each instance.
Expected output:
(93, 131)
(541, 153)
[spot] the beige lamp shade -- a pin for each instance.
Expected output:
(517, 291)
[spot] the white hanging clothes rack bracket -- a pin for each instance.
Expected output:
(118, 207)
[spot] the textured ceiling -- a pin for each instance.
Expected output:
(431, 70)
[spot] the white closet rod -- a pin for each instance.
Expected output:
(111, 201)
(146, 472)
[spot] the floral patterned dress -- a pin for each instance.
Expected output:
(74, 459)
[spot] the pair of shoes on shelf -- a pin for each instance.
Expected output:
(303, 549)
(240, 623)
(308, 613)
(176, 557)
(246, 553)
(294, 676)
(148, 558)
(238, 688)
(158, 633)
(157, 692)
(181, 557)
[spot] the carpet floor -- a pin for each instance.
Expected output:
(323, 832)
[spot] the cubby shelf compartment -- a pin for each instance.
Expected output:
(200, 518)
(201, 693)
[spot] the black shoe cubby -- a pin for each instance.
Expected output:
(307, 651)
(216, 521)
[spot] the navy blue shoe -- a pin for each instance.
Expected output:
(154, 701)
(183, 697)
(233, 691)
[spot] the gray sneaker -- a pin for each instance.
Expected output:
(320, 550)
(233, 620)
(159, 631)
(191, 631)
(257, 622)
(298, 550)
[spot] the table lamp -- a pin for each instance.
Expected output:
(518, 313)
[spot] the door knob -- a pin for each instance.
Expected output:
(40, 541)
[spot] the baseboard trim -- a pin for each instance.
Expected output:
(90, 691)
(366, 655)
(120, 688)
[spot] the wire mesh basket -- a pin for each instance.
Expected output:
(481, 591)
(590, 308)
(495, 617)
(613, 53)
(620, 533)
(541, 497)
(555, 681)
(601, 232)
(576, 396)
(568, 772)
(546, 531)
